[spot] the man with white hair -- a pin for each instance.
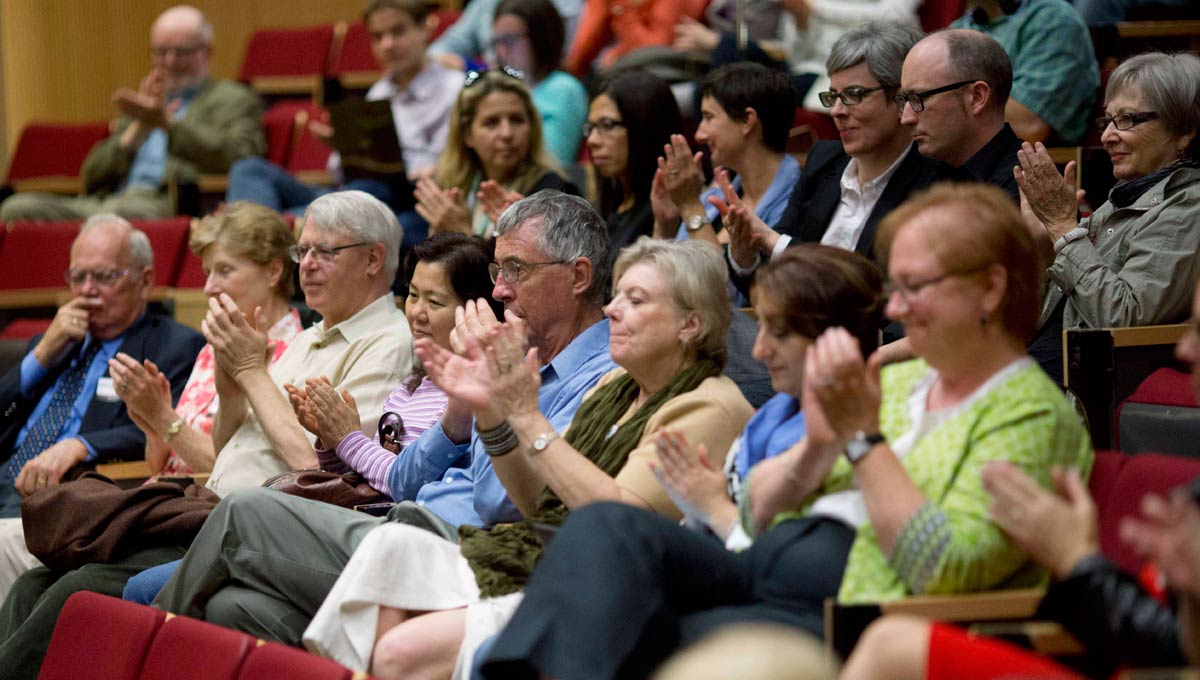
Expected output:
(60, 405)
(178, 124)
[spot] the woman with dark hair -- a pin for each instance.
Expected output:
(495, 146)
(631, 117)
(746, 112)
(443, 272)
(528, 36)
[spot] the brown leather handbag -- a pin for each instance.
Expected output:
(344, 491)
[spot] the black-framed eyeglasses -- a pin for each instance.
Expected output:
(179, 52)
(102, 277)
(910, 291)
(917, 99)
(512, 271)
(1125, 121)
(320, 253)
(849, 96)
(604, 125)
(391, 431)
(473, 77)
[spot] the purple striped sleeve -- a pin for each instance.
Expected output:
(419, 410)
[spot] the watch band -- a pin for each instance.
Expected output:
(697, 222)
(861, 444)
(542, 442)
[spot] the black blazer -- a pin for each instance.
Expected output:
(106, 424)
(817, 193)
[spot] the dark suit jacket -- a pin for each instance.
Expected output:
(106, 424)
(816, 196)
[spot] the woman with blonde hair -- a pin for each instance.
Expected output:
(495, 150)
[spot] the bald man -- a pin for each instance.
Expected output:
(177, 125)
(60, 406)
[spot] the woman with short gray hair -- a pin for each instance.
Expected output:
(847, 186)
(1134, 261)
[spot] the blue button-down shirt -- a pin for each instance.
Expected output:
(457, 482)
(33, 372)
(148, 165)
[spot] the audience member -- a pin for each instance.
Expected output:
(668, 339)
(556, 252)
(610, 29)
(631, 117)
(1134, 261)
(494, 156)
(61, 405)
(347, 255)
(178, 125)
(746, 112)
(1118, 623)
(529, 38)
(953, 92)
(421, 93)
(470, 37)
(846, 187)
(1054, 70)
(904, 513)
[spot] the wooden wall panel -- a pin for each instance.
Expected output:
(62, 59)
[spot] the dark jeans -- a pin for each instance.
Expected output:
(620, 589)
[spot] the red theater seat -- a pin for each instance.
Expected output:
(36, 254)
(54, 149)
(273, 660)
(168, 238)
(197, 650)
(1141, 474)
(100, 638)
(289, 61)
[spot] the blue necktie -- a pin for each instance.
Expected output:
(46, 429)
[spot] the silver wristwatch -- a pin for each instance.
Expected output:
(861, 445)
(697, 222)
(541, 442)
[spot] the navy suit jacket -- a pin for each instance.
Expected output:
(106, 424)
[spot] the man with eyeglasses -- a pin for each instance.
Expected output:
(953, 90)
(177, 125)
(60, 406)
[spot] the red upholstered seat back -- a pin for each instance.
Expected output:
(100, 638)
(1105, 472)
(273, 660)
(938, 14)
(168, 239)
(1165, 387)
(36, 254)
(1141, 474)
(191, 273)
(355, 55)
(308, 152)
(54, 149)
(197, 650)
(287, 52)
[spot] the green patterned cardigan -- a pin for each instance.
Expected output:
(950, 545)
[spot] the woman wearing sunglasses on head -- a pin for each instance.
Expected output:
(1134, 261)
(495, 150)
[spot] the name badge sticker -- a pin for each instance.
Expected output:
(105, 391)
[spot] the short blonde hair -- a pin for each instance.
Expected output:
(983, 227)
(252, 231)
(697, 278)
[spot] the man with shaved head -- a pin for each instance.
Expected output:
(60, 405)
(177, 125)
(953, 90)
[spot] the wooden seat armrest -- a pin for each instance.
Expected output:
(1138, 336)
(213, 184)
(990, 606)
(1043, 637)
(33, 298)
(126, 473)
(191, 305)
(57, 184)
(1160, 674)
(318, 177)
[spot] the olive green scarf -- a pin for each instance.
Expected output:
(503, 556)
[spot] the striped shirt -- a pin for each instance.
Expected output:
(419, 410)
